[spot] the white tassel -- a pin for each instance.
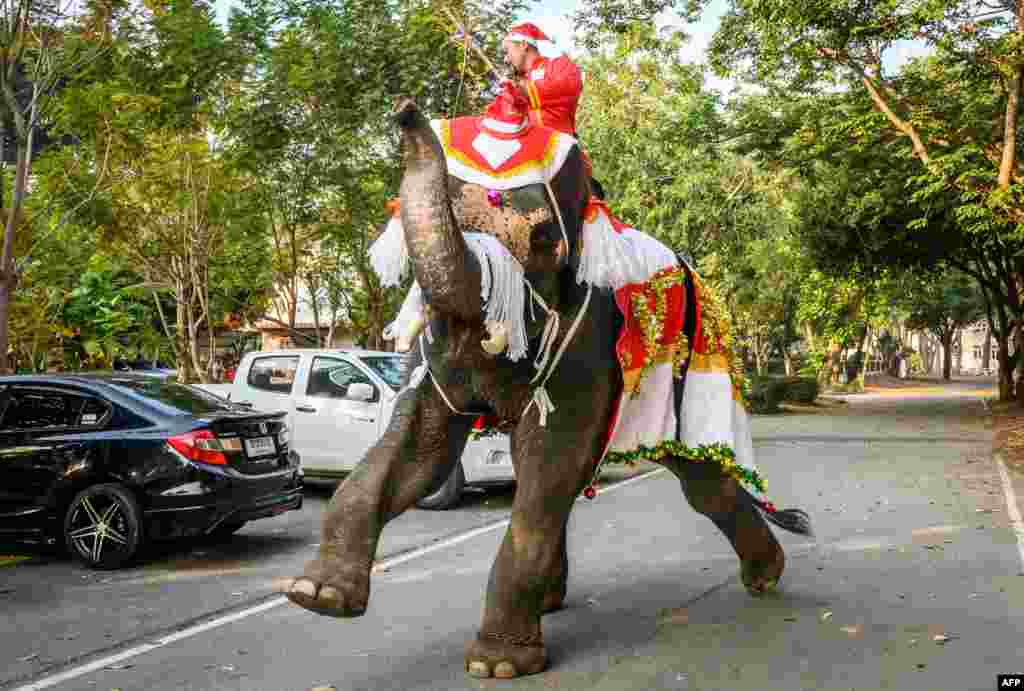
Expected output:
(389, 255)
(502, 288)
(543, 403)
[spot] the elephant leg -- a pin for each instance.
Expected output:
(559, 578)
(530, 571)
(762, 559)
(418, 451)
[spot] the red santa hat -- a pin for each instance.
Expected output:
(508, 115)
(528, 32)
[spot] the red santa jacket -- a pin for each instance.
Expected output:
(554, 87)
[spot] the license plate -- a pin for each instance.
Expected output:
(260, 446)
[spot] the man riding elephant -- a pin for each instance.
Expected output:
(551, 81)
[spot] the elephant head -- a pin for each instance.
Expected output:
(537, 224)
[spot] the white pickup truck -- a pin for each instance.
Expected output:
(339, 403)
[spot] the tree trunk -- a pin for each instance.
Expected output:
(5, 306)
(181, 339)
(947, 354)
(787, 360)
(986, 354)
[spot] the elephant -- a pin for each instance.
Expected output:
(553, 458)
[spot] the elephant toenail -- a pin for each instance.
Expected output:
(303, 587)
(478, 669)
(329, 594)
(505, 670)
(282, 585)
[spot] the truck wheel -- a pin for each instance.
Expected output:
(448, 495)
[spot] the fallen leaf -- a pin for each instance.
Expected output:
(826, 615)
(323, 688)
(237, 594)
(944, 638)
(921, 665)
(227, 668)
(853, 631)
(789, 619)
(29, 658)
(674, 616)
(118, 666)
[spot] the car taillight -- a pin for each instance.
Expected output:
(200, 446)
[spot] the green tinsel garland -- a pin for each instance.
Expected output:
(718, 453)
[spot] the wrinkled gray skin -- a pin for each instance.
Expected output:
(552, 464)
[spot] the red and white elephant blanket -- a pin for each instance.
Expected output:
(652, 288)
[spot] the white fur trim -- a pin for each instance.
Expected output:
(612, 260)
(710, 414)
(504, 127)
(649, 417)
(389, 255)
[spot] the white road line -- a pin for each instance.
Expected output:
(142, 649)
(1011, 507)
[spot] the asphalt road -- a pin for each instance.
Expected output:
(913, 581)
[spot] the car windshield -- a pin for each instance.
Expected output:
(389, 367)
(172, 398)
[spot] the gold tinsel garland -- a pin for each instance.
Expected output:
(652, 324)
(718, 453)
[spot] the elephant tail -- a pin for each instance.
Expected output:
(792, 520)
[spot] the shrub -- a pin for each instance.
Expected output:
(800, 389)
(765, 394)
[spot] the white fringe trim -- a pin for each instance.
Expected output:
(389, 255)
(613, 260)
(502, 288)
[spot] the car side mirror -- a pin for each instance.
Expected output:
(360, 391)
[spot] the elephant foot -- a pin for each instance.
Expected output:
(761, 575)
(332, 592)
(504, 656)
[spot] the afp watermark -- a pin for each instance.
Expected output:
(1010, 681)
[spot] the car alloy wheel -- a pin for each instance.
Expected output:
(102, 527)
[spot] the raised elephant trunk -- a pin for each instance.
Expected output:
(447, 271)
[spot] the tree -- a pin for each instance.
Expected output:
(944, 304)
(953, 114)
(43, 43)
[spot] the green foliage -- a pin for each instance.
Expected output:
(765, 395)
(800, 389)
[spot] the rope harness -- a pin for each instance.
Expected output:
(544, 363)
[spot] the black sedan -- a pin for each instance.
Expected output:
(106, 462)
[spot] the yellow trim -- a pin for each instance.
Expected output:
(531, 90)
(631, 376)
(534, 164)
(709, 362)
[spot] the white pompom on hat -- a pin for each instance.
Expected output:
(528, 32)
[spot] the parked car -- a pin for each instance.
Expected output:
(106, 462)
(339, 403)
